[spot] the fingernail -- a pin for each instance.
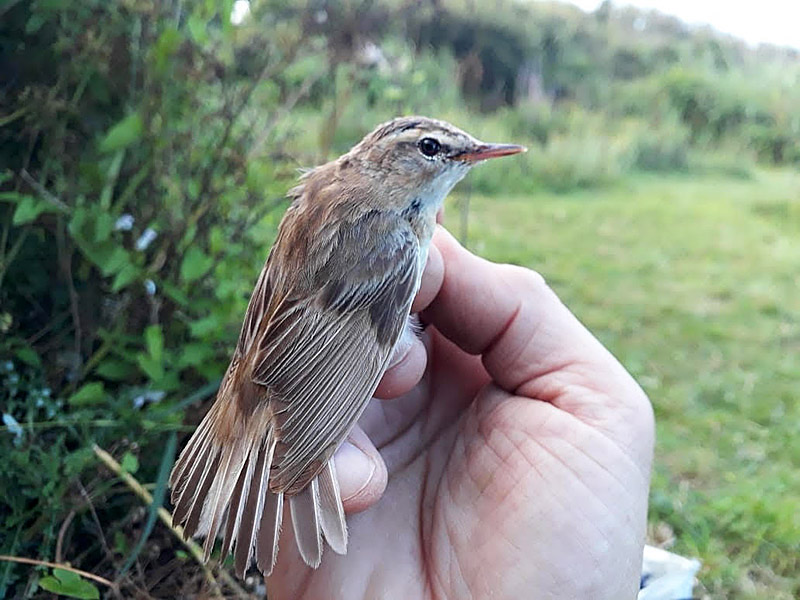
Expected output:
(354, 470)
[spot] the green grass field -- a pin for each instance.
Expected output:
(695, 285)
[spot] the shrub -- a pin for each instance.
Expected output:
(659, 147)
(580, 161)
(144, 147)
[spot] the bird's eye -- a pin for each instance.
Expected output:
(429, 146)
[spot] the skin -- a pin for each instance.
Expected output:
(516, 448)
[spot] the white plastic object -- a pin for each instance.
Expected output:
(667, 576)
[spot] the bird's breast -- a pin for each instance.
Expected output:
(422, 219)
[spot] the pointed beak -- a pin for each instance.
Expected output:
(484, 151)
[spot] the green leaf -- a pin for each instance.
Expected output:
(14, 197)
(303, 68)
(169, 381)
(103, 226)
(76, 461)
(28, 209)
(51, 584)
(34, 23)
(120, 542)
(65, 576)
(126, 275)
(195, 354)
(111, 180)
(154, 341)
(152, 368)
(195, 264)
(198, 28)
(129, 463)
(175, 294)
(217, 240)
(89, 229)
(123, 134)
(77, 222)
(200, 328)
(91, 393)
(115, 370)
(116, 261)
(67, 583)
(109, 258)
(167, 43)
(28, 356)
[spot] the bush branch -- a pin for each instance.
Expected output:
(55, 565)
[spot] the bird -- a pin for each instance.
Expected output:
(329, 306)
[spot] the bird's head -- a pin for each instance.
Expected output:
(421, 157)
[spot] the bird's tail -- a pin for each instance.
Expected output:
(220, 484)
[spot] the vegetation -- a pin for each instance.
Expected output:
(145, 149)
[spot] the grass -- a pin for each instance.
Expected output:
(693, 284)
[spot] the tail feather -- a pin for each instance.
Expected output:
(186, 465)
(220, 484)
(237, 504)
(268, 533)
(305, 522)
(214, 509)
(192, 466)
(331, 511)
(253, 507)
(196, 499)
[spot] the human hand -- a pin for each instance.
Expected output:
(518, 465)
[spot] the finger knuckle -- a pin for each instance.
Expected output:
(528, 279)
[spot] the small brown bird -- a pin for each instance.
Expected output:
(329, 306)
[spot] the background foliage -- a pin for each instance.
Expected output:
(145, 148)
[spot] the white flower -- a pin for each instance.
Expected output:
(146, 239)
(241, 9)
(13, 427)
(124, 223)
(153, 396)
(150, 287)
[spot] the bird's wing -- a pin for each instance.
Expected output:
(257, 308)
(312, 349)
(322, 353)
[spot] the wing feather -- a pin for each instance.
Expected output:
(322, 355)
(256, 309)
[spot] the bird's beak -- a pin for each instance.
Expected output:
(484, 151)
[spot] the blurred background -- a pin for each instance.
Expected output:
(145, 149)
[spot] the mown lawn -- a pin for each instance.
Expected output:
(695, 285)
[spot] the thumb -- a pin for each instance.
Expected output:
(530, 343)
(361, 472)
